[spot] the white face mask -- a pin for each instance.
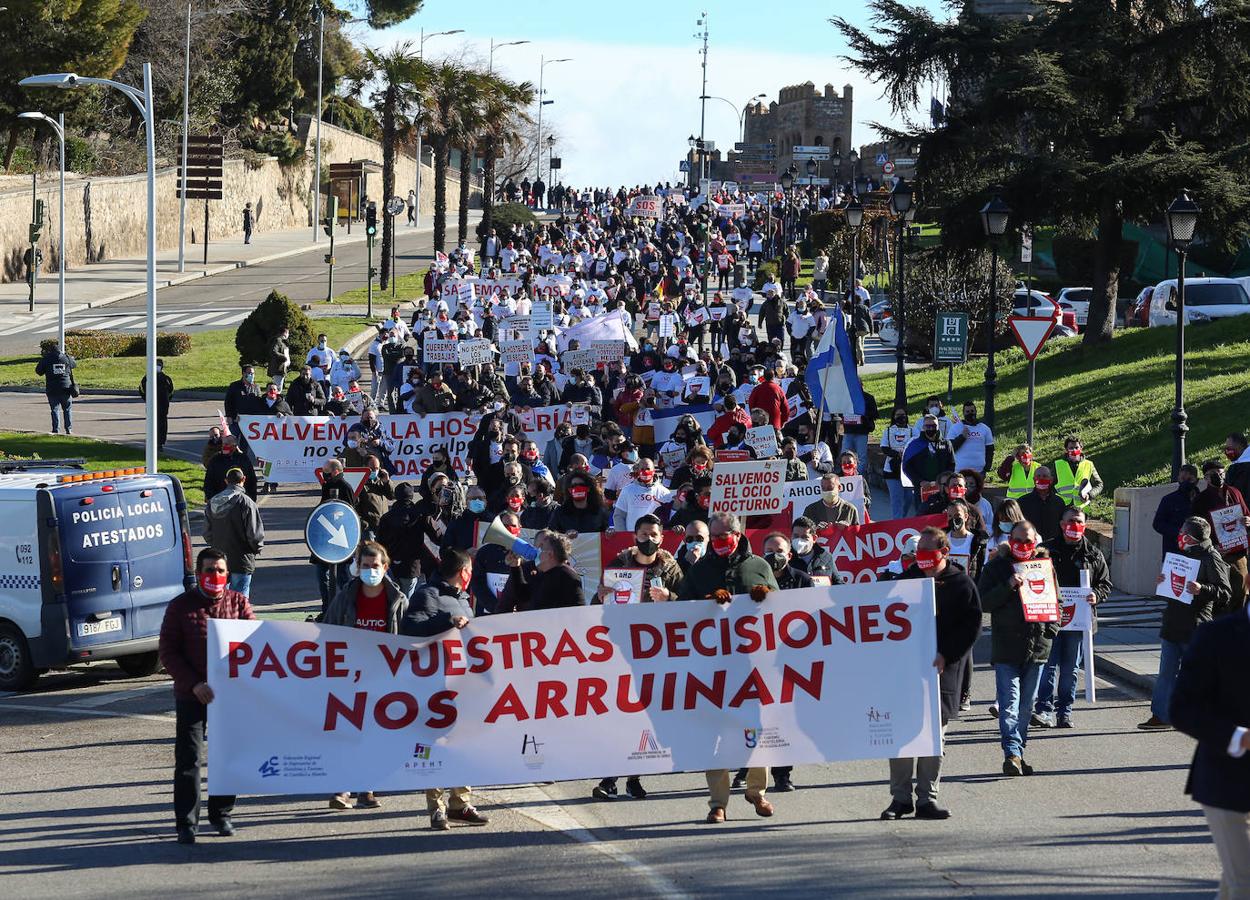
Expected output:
(829, 496)
(801, 545)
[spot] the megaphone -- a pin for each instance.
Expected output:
(497, 533)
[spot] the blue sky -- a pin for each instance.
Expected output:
(626, 103)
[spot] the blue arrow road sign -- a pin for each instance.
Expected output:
(332, 532)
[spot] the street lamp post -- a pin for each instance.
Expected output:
(57, 125)
(854, 212)
(416, 207)
(994, 217)
(490, 67)
(551, 150)
(316, 208)
(787, 181)
(538, 151)
(740, 113)
(1182, 220)
(901, 206)
(142, 99)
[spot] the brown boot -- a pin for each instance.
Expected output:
(716, 815)
(762, 806)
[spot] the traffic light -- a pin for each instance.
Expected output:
(327, 225)
(371, 219)
(36, 227)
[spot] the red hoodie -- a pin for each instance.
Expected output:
(769, 397)
(716, 433)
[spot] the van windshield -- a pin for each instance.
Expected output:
(1216, 294)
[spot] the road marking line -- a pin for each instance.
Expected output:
(539, 807)
(21, 707)
(178, 319)
(126, 321)
(105, 698)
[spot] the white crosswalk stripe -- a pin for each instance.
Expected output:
(179, 318)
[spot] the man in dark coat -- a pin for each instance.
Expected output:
(164, 394)
(305, 395)
(439, 606)
(1176, 507)
(550, 584)
(1043, 506)
(57, 368)
(1019, 649)
(241, 394)
(1211, 703)
(230, 457)
(1210, 589)
(399, 531)
(279, 357)
(958, 626)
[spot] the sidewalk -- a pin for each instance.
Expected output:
(102, 283)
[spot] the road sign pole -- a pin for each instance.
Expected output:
(206, 231)
(950, 385)
(330, 279)
(369, 273)
(1029, 424)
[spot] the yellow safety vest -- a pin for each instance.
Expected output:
(1068, 483)
(1021, 479)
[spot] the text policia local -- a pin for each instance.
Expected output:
(452, 656)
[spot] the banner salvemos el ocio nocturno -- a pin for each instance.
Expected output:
(820, 674)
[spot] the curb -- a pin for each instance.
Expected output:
(1105, 665)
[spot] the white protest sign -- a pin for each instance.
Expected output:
(698, 386)
(608, 351)
(516, 352)
(696, 315)
(476, 352)
(624, 585)
(540, 315)
(1230, 528)
(752, 488)
(516, 326)
(1075, 613)
(1178, 571)
(302, 708)
(646, 206)
(672, 459)
(1039, 592)
(763, 439)
(578, 359)
(717, 313)
(437, 351)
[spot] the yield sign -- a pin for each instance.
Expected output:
(1031, 332)
(355, 477)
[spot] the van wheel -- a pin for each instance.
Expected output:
(16, 671)
(139, 664)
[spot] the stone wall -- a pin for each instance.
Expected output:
(106, 218)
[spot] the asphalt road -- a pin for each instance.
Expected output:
(86, 810)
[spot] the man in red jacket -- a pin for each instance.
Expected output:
(733, 415)
(769, 397)
(184, 654)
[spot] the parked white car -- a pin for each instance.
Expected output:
(1078, 298)
(1205, 299)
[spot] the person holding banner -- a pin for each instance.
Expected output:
(183, 649)
(551, 584)
(641, 496)
(831, 509)
(1020, 648)
(1078, 564)
(583, 510)
(372, 601)
(442, 604)
(1207, 591)
(958, 627)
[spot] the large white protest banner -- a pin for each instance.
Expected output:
(491, 288)
(643, 688)
(753, 488)
(799, 494)
(292, 448)
(646, 206)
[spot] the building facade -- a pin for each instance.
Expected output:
(802, 115)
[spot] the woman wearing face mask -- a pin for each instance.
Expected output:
(894, 440)
(974, 481)
(583, 510)
(1020, 649)
(464, 512)
(967, 538)
(1006, 517)
(373, 602)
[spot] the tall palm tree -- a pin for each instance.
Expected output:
(504, 117)
(398, 75)
(447, 98)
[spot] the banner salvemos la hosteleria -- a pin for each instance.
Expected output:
(820, 674)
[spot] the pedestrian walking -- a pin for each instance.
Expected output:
(57, 368)
(1211, 703)
(958, 627)
(1209, 590)
(164, 395)
(412, 206)
(232, 524)
(279, 357)
(248, 223)
(183, 649)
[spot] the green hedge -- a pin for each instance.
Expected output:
(112, 344)
(256, 333)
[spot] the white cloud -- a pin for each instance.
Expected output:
(623, 112)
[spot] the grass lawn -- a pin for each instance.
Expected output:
(210, 365)
(407, 287)
(1118, 398)
(102, 455)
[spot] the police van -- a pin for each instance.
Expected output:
(88, 563)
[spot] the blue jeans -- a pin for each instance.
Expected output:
(1065, 657)
(1016, 687)
(858, 444)
(64, 403)
(1170, 653)
(241, 582)
(898, 498)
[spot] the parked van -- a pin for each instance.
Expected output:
(1205, 299)
(88, 563)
